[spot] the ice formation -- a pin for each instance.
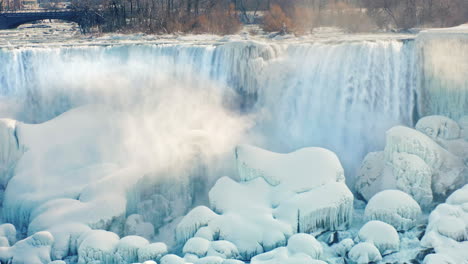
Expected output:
(426, 162)
(382, 235)
(364, 253)
(32, 250)
(279, 195)
(153, 251)
(447, 229)
(393, 207)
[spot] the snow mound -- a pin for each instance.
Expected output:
(127, 249)
(196, 246)
(364, 253)
(306, 244)
(447, 229)
(153, 251)
(32, 250)
(224, 249)
(97, 246)
(393, 207)
(428, 162)
(172, 259)
(439, 127)
(304, 192)
(382, 235)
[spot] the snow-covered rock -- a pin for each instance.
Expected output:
(32, 250)
(447, 230)
(210, 260)
(364, 253)
(343, 247)
(153, 251)
(438, 259)
(127, 249)
(172, 259)
(8, 231)
(97, 246)
(224, 249)
(67, 237)
(393, 207)
(382, 235)
(196, 246)
(306, 244)
(428, 162)
(279, 194)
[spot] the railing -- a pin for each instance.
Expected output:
(19, 11)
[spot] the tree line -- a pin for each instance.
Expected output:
(298, 16)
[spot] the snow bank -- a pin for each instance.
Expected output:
(32, 250)
(393, 207)
(447, 230)
(382, 235)
(364, 253)
(426, 162)
(279, 194)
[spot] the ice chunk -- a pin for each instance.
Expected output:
(172, 259)
(223, 249)
(438, 259)
(382, 235)
(369, 180)
(127, 249)
(395, 208)
(136, 225)
(199, 217)
(153, 251)
(306, 244)
(196, 246)
(364, 253)
(97, 246)
(439, 127)
(32, 250)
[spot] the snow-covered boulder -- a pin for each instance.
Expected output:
(67, 237)
(97, 246)
(393, 207)
(306, 244)
(127, 249)
(172, 259)
(438, 259)
(447, 229)
(196, 246)
(135, 225)
(428, 162)
(224, 249)
(32, 250)
(364, 253)
(279, 194)
(382, 235)
(439, 127)
(343, 247)
(153, 251)
(210, 260)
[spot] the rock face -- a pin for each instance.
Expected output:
(279, 195)
(447, 229)
(428, 162)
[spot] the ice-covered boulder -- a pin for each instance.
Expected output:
(393, 207)
(210, 260)
(364, 253)
(32, 250)
(306, 244)
(224, 249)
(382, 235)
(67, 236)
(279, 194)
(153, 251)
(97, 246)
(127, 249)
(343, 247)
(439, 127)
(428, 162)
(438, 259)
(135, 225)
(447, 229)
(196, 246)
(172, 259)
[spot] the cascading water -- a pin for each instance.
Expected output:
(282, 96)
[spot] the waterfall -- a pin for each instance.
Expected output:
(339, 95)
